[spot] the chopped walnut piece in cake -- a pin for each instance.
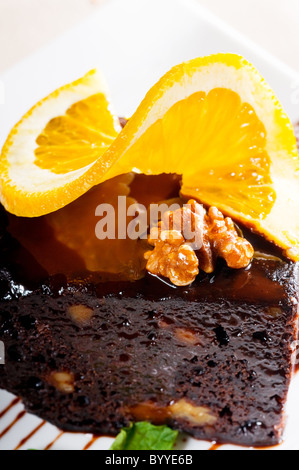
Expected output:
(190, 239)
(62, 381)
(196, 415)
(81, 314)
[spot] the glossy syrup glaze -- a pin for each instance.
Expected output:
(33, 255)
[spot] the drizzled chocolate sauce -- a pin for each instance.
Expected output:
(30, 435)
(11, 425)
(91, 442)
(13, 403)
(51, 444)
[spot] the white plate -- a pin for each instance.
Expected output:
(134, 42)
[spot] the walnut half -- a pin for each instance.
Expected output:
(190, 239)
(172, 258)
(225, 241)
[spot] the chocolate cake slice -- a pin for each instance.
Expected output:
(92, 351)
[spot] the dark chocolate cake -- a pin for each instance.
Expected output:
(93, 352)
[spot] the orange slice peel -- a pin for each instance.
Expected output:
(45, 163)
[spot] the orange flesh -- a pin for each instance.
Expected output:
(73, 141)
(214, 140)
(217, 143)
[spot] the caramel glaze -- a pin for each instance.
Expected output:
(31, 247)
(263, 279)
(45, 258)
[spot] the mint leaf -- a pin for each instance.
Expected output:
(145, 436)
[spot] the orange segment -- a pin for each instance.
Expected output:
(78, 138)
(217, 143)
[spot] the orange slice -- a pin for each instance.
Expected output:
(214, 120)
(46, 160)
